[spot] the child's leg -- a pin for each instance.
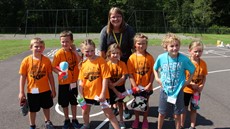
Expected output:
(160, 120)
(183, 116)
(193, 114)
(85, 114)
(66, 112)
(74, 111)
(32, 116)
(46, 114)
(112, 118)
(177, 121)
(120, 105)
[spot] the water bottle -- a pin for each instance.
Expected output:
(81, 102)
(102, 104)
(195, 100)
(126, 93)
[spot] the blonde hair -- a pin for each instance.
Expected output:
(111, 48)
(139, 36)
(109, 25)
(36, 40)
(66, 33)
(196, 44)
(168, 39)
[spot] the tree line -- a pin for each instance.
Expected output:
(156, 16)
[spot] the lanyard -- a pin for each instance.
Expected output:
(119, 43)
(172, 81)
(38, 69)
(141, 73)
(72, 59)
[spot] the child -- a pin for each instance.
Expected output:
(197, 83)
(140, 67)
(67, 90)
(118, 71)
(93, 81)
(36, 69)
(169, 70)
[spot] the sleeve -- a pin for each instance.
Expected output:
(205, 69)
(124, 69)
(130, 66)
(189, 66)
(55, 60)
(105, 70)
(23, 67)
(49, 66)
(157, 64)
(103, 40)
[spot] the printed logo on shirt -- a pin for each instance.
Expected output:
(92, 73)
(37, 74)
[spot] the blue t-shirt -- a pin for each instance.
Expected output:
(172, 72)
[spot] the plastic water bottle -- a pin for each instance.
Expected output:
(126, 93)
(81, 102)
(102, 104)
(195, 100)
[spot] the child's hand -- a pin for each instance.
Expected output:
(73, 47)
(53, 94)
(159, 81)
(119, 95)
(22, 98)
(101, 98)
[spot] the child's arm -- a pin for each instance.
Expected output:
(52, 84)
(200, 87)
(80, 87)
(73, 49)
(187, 82)
(57, 71)
(105, 83)
(22, 83)
(133, 83)
(158, 80)
(149, 87)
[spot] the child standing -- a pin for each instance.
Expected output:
(36, 69)
(67, 88)
(93, 81)
(197, 83)
(118, 71)
(169, 70)
(140, 67)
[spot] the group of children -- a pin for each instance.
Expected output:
(104, 79)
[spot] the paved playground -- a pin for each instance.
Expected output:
(215, 104)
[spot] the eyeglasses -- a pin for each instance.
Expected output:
(114, 17)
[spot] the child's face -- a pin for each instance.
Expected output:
(196, 52)
(115, 54)
(66, 42)
(173, 48)
(37, 48)
(88, 51)
(115, 19)
(141, 45)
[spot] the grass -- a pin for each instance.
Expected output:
(10, 48)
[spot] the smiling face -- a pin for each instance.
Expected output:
(141, 45)
(66, 42)
(89, 51)
(173, 48)
(37, 48)
(116, 20)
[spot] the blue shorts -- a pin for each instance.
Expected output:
(37, 101)
(164, 106)
(67, 95)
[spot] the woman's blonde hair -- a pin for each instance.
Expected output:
(168, 39)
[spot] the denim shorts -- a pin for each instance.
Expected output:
(165, 106)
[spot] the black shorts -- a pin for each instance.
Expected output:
(37, 101)
(144, 94)
(187, 98)
(113, 96)
(67, 95)
(92, 101)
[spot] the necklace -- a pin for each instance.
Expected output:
(38, 71)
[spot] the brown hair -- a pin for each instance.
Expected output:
(66, 33)
(111, 48)
(36, 40)
(109, 25)
(168, 39)
(138, 36)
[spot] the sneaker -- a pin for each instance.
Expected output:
(85, 127)
(66, 124)
(49, 125)
(76, 124)
(135, 124)
(145, 124)
(115, 111)
(126, 114)
(110, 126)
(33, 127)
(24, 108)
(122, 125)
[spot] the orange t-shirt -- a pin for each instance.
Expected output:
(117, 71)
(92, 74)
(73, 71)
(141, 67)
(36, 72)
(199, 74)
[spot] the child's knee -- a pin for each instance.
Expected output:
(109, 114)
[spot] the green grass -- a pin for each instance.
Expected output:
(10, 48)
